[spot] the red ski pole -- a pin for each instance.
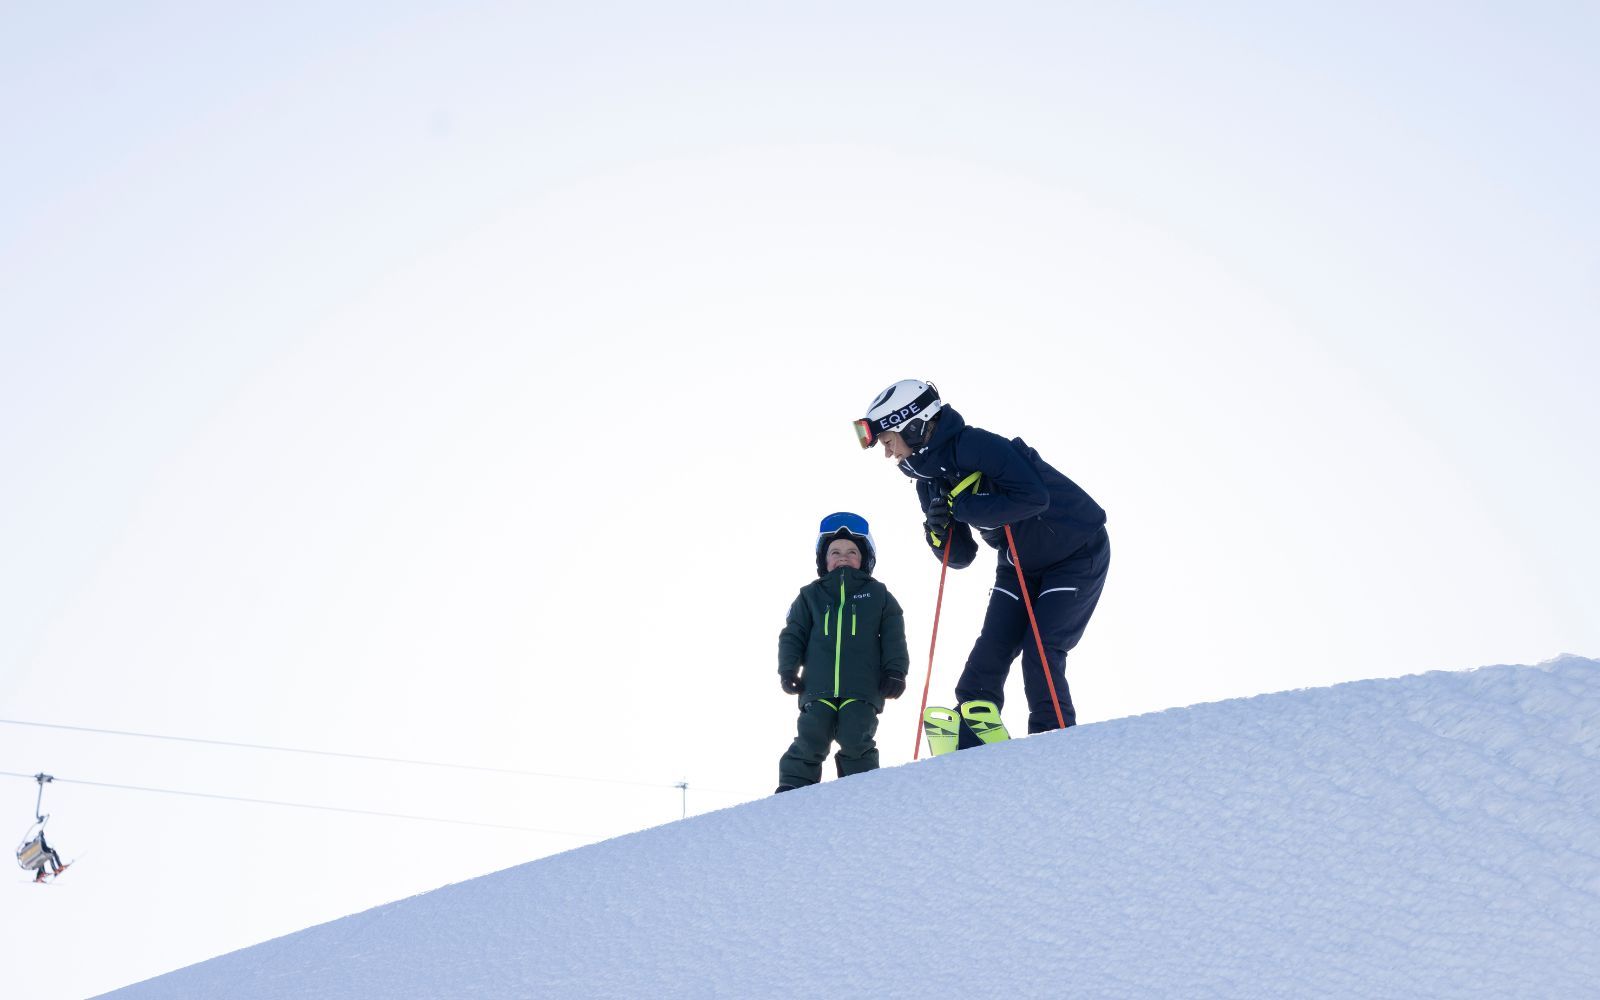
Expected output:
(943, 568)
(1044, 664)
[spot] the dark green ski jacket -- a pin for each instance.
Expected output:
(846, 631)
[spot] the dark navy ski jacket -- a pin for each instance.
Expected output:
(1051, 517)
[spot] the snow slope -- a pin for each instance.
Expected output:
(1435, 835)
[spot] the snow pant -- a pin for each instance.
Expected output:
(1064, 596)
(853, 723)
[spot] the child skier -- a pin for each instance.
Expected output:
(848, 634)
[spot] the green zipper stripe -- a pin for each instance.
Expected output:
(838, 640)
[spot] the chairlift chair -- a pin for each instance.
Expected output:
(33, 853)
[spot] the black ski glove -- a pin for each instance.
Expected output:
(791, 683)
(937, 522)
(892, 686)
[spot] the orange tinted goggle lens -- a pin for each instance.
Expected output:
(864, 433)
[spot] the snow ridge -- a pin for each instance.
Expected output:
(1432, 835)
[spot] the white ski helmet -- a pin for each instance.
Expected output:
(906, 407)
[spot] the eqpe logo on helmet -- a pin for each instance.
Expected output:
(899, 416)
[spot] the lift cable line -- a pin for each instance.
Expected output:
(307, 805)
(359, 756)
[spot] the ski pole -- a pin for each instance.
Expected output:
(943, 568)
(1044, 664)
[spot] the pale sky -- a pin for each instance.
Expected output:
(465, 385)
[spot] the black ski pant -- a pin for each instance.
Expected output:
(1064, 597)
(853, 723)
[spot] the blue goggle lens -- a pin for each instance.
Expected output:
(853, 523)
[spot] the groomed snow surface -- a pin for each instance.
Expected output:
(1429, 836)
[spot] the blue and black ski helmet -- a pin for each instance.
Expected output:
(844, 524)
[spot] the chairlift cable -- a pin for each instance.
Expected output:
(357, 756)
(306, 805)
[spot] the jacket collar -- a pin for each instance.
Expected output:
(851, 578)
(932, 459)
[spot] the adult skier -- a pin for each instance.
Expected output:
(967, 477)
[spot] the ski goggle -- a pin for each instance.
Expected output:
(911, 430)
(853, 523)
(865, 434)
